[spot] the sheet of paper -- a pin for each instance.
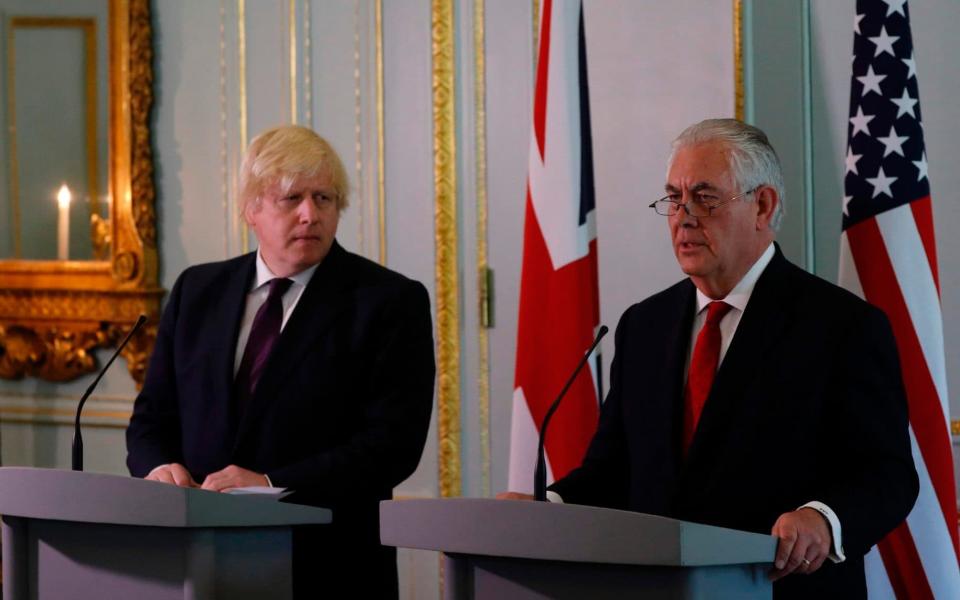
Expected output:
(261, 490)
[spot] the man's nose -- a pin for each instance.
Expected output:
(308, 210)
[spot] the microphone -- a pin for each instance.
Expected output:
(77, 440)
(540, 475)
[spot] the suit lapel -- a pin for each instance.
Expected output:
(666, 399)
(322, 301)
(760, 327)
(226, 326)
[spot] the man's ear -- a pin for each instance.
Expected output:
(767, 200)
(248, 210)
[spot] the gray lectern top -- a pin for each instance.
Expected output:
(565, 532)
(99, 498)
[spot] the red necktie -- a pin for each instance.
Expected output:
(263, 335)
(703, 367)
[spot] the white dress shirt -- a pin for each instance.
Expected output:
(257, 295)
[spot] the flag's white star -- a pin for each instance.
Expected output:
(871, 82)
(911, 66)
(860, 122)
(905, 104)
(921, 167)
(884, 42)
(856, 23)
(893, 142)
(895, 6)
(881, 183)
(851, 161)
(846, 202)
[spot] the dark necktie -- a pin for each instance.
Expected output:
(703, 367)
(263, 336)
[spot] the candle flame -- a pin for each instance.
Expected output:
(64, 196)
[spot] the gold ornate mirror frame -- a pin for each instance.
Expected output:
(53, 314)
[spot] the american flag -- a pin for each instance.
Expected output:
(888, 256)
(559, 305)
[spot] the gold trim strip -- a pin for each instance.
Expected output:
(357, 132)
(12, 136)
(93, 167)
(242, 77)
(307, 81)
(381, 170)
(535, 12)
(483, 342)
(25, 412)
(292, 18)
(738, 100)
(224, 164)
(445, 215)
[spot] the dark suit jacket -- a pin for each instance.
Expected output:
(340, 413)
(808, 404)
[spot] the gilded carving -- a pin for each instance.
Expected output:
(141, 99)
(445, 216)
(125, 266)
(52, 353)
(54, 314)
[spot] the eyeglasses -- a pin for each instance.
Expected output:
(702, 204)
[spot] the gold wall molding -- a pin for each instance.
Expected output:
(242, 82)
(738, 91)
(445, 217)
(53, 314)
(381, 147)
(483, 293)
(112, 412)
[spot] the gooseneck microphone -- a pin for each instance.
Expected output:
(540, 474)
(77, 440)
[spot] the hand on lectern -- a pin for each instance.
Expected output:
(514, 496)
(804, 542)
(233, 477)
(174, 473)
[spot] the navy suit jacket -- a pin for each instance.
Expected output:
(340, 413)
(808, 404)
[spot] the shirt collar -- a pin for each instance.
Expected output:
(740, 294)
(264, 274)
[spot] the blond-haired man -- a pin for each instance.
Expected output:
(299, 365)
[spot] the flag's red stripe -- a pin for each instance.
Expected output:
(881, 287)
(540, 94)
(904, 569)
(555, 327)
(923, 215)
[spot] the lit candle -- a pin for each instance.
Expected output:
(63, 223)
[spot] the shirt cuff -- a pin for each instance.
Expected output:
(554, 497)
(836, 549)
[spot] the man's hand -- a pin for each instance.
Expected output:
(514, 496)
(804, 542)
(174, 473)
(233, 477)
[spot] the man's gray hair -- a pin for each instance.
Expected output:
(753, 161)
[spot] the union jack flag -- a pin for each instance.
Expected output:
(559, 299)
(888, 256)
